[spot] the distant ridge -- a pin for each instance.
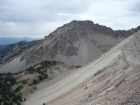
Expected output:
(11, 40)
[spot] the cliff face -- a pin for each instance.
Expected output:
(77, 43)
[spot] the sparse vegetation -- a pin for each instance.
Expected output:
(34, 88)
(35, 81)
(98, 72)
(30, 70)
(78, 66)
(8, 96)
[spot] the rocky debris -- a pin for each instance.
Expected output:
(75, 43)
(68, 41)
(113, 79)
(121, 80)
(124, 92)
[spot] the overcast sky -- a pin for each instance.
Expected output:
(37, 18)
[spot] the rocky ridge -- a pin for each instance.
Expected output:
(75, 43)
(8, 52)
(73, 38)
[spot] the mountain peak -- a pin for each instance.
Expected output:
(76, 43)
(84, 28)
(81, 21)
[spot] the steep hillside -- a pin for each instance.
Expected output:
(15, 87)
(113, 79)
(75, 43)
(10, 51)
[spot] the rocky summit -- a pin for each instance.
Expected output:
(75, 43)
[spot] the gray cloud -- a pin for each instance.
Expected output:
(39, 10)
(37, 18)
(136, 7)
